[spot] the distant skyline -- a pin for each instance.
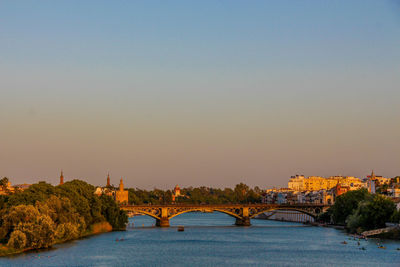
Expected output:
(197, 93)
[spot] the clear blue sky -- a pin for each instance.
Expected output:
(198, 92)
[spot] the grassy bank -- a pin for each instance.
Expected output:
(94, 229)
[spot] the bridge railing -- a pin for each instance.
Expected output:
(229, 204)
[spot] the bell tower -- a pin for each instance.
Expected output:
(108, 180)
(121, 185)
(121, 195)
(61, 178)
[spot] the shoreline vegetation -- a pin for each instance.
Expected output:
(359, 211)
(95, 229)
(44, 215)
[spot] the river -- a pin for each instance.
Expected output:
(210, 239)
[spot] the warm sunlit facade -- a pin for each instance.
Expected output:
(121, 195)
(315, 183)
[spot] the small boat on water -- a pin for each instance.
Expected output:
(181, 228)
(344, 242)
(382, 247)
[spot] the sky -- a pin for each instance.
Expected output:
(194, 93)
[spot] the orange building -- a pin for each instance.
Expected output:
(121, 196)
(176, 193)
(340, 189)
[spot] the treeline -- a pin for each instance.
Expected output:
(198, 195)
(361, 211)
(43, 214)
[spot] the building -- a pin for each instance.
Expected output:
(316, 183)
(121, 195)
(394, 192)
(379, 180)
(296, 182)
(61, 178)
(107, 190)
(176, 193)
(341, 189)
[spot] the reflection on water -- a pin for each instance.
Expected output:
(213, 240)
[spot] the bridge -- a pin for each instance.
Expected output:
(241, 212)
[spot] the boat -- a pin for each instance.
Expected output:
(344, 242)
(382, 247)
(181, 228)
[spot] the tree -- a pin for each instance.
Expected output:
(347, 203)
(112, 213)
(36, 192)
(15, 216)
(40, 233)
(4, 182)
(371, 214)
(67, 231)
(17, 240)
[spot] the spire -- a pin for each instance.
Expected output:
(61, 178)
(108, 180)
(372, 175)
(121, 185)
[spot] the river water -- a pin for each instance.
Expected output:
(210, 239)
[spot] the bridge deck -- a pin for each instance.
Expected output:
(223, 205)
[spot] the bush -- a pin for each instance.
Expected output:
(17, 240)
(395, 218)
(67, 231)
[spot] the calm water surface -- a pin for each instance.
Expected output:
(211, 240)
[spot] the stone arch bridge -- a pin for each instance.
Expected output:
(242, 212)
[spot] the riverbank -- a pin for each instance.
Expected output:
(393, 234)
(94, 229)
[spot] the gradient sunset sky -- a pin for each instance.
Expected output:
(198, 92)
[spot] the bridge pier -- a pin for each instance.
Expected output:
(163, 222)
(245, 221)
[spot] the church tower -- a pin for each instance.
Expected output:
(108, 180)
(371, 183)
(373, 175)
(61, 178)
(121, 185)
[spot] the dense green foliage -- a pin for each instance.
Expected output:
(346, 204)
(371, 214)
(43, 214)
(361, 211)
(199, 195)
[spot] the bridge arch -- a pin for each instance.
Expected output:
(206, 210)
(148, 214)
(283, 208)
